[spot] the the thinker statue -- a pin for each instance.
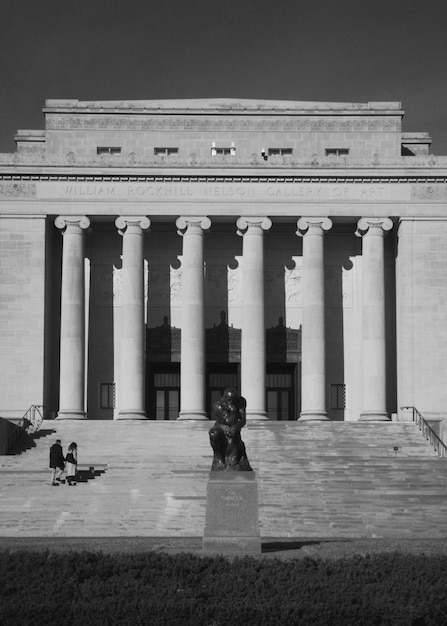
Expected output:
(225, 435)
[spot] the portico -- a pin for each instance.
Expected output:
(167, 278)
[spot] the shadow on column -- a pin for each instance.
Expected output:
(338, 297)
(103, 249)
(163, 333)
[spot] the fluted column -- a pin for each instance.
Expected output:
(192, 367)
(253, 326)
(313, 372)
(72, 343)
(372, 231)
(132, 378)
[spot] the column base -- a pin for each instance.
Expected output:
(193, 414)
(313, 416)
(256, 415)
(374, 416)
(71, 415)
(131, 415)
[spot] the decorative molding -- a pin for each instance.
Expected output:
(134, 224)
(260, 224)
(293, 286)
(17, 190)
(72, 223)
(313, 225)
(234, 278)
(432, 182)
(194, 224)
(429, 192)
(373, 226)
(200, 124)
(176, 285)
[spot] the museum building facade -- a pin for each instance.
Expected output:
(153, 253)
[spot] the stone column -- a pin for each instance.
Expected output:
(313, 385)
(132, 378)
(192, 366)
(253, 325)
(372, 231)
(72, 346)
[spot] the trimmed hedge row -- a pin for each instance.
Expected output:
(152, 589)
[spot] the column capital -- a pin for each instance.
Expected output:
(72, 223)
(132, 224)
(373, 226)
(313, 225)
(186, 223)
(244, 224)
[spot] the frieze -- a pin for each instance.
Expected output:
(429, 192)
(89, 122)
(17, 190)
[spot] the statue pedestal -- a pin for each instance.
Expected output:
(232, 518)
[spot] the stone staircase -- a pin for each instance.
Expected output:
(316, 480)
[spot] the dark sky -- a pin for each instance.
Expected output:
(330, 50)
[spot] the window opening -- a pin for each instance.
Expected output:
(107, 395)
(338, 396)
(337, 151)
(108, 150)
(165, 151)
(280, 151)
(216, 150)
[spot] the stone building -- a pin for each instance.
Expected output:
(154, 252)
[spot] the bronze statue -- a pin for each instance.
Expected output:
(225, 435)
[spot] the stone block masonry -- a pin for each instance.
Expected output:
(22, 294)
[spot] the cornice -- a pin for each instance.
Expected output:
(16, 179)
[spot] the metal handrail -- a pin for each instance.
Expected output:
(427, 431)
(32, 420)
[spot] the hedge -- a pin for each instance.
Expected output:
(152, 589)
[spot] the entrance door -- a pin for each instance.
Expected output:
(220, 376)
(165, 391)
(280, 392)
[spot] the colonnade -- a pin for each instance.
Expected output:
(253, 349)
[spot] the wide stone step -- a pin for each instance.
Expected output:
(315, 480)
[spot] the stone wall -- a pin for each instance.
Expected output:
(421, 294)
(22, 313)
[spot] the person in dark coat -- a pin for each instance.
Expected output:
(57, 462)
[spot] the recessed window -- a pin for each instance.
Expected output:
(280, 151)
(108, 150)
(165, 151)
(224, 150)
(338, 396)
(337, 151)
(107, 395)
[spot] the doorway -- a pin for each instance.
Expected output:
(280, 392)
(164, 391)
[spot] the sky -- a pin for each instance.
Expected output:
(306, 50)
